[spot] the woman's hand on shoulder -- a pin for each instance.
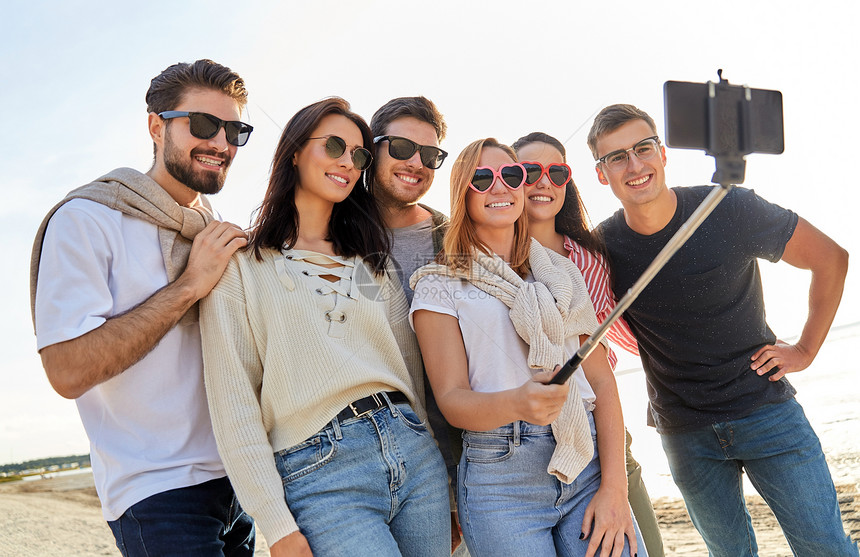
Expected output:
(538, 402)
(294, 545)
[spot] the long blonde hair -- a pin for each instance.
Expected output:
(462, 239)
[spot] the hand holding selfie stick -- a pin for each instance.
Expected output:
(738, 121)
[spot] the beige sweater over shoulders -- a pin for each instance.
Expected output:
(320, 346)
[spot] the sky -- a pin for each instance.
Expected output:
(75, 75)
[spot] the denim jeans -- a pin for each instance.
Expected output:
(373, 486)
(510, 505)
(202, 520)
(782, 456)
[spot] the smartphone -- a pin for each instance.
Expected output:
(723, 119)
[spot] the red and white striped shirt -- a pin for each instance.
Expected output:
(593, 270)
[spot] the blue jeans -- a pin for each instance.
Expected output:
(374, 486)
(781, 454)
(199, 520)
(510, 505)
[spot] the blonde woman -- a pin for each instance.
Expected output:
(493, 319)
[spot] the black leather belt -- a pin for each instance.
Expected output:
(368, 404)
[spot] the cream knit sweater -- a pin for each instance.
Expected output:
(320, 345)
(544, 313)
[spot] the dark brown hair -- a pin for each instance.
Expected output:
(355, 226)
(613, 117)
(167, 88)
(572, 219)
(420, 108)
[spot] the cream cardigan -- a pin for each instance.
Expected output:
(319, 345)
(544, 313)
(136, 194)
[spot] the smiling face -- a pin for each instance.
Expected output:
(402, 183)
(320, 176)
(640, 182)
(543, 200)
(199, 164)
(500, 206)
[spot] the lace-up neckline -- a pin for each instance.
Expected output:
(316, 266)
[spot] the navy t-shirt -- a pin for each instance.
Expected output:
(702, 317)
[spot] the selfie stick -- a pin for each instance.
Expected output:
(674, 244)
(728, 139)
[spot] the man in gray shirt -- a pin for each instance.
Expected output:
(406, 133)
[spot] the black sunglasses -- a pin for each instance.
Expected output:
(402, 149)
(335, 147)
(205, 126)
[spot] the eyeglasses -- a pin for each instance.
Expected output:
(558, 173)
(402, 149)
(512, 175)
(644, 150)
(205, 126)
(335, 147)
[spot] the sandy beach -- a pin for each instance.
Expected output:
(61, 516)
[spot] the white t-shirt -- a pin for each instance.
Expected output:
(149, 427)
(498, 356)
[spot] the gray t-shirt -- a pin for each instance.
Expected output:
(411, 247)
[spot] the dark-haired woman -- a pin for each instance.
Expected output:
(559, 221)
(311, 369)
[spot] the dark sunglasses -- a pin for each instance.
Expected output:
(558, 173)
(205, 126)
(512, 175)
(402, 149)
(335, 147)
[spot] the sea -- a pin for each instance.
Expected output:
(58, 474)
(829, 391)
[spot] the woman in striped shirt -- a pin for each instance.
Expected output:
(559, 221)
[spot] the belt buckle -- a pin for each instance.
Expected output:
(376, 399)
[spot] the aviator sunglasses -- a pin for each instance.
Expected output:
(335, 147)
(558, 173)
(402, 149)
(205, 126)
(512, 175)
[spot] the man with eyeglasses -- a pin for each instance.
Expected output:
(406, 135)
(117, 269)
(715, 371)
